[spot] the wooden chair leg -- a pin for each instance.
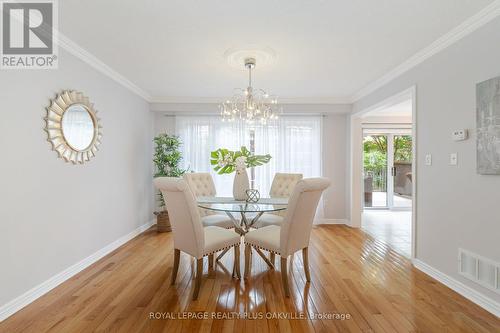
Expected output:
(177, 257)
(284, 276)
(272, 258)
(305, 259)
(248, 258)
(199, 273)
(237, 261)
(211, 265)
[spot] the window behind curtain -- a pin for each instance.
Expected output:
(294, 142)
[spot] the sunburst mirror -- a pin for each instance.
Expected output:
(72, 127)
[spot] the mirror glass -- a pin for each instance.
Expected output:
(78, 127)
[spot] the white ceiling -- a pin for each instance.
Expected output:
(326, 50)
(401, 109)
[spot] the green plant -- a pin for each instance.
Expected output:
(167, 158)
(375, 156)
(378, 143)
(224, 160)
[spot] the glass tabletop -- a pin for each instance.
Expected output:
(229, 200)
(242, 207)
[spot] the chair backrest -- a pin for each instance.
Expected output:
(296, 227)
(283, 184)
(183, 213)
(201, 184)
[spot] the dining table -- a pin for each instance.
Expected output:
(249, 214)
(243, 214)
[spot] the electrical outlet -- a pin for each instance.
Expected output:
(428, 159)
(453, 159)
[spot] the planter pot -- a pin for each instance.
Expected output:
(240, 185)
(162, 222)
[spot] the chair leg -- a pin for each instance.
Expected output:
(263, 256)
(237, 261)
(284, 276)
(211, 265)
(199, 273)
(272, 257)
(305, 259)
(177, 257)
(248, 258)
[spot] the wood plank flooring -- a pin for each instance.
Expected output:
(353, 275)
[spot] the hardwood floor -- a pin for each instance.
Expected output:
(351, 274)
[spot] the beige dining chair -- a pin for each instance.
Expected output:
(282, 187)
(295, 230)
(202, 185)
(189, 234)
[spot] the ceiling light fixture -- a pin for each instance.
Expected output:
(251, 105)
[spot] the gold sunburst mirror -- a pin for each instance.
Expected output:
(72, 127)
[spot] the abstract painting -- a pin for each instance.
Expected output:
(488, 127)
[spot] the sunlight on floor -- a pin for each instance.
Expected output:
(380, 200)
(390, 227)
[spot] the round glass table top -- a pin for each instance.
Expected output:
(244, 207)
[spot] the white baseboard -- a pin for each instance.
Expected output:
(20, 302)
(331, 221)
(483, 301)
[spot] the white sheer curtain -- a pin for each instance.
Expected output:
(294, 142)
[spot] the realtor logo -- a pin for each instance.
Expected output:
(28, 34)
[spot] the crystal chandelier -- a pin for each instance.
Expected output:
(251, 105)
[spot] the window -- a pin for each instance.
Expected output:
(294, 142)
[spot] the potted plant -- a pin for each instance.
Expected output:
(226, 161)
(167, 158)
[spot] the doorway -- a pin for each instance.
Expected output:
(383, 177)
(387, 180)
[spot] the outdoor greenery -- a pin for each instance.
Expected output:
(224, 160)
(167, 158)
(375, 156)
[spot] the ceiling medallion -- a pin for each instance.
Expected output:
(265, 56)
(251, 105)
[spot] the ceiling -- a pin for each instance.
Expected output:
(326, 51)
(400, 109)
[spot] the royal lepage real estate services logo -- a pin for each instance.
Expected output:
(29, 32)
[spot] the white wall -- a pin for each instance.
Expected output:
(334, 166)
(334, 144)
(163, 123)
(456, 206)
(54, 214)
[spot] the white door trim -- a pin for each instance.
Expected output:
(390, 165)
(356, 155)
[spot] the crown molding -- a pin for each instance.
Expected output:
(217, 100)
(213, 109)
(473, 23)
(470, 25)
(82, 54)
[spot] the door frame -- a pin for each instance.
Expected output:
(356, 160)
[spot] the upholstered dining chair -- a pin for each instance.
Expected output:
(282, 187)
(294, 232)
(189, 234)
(202, 185)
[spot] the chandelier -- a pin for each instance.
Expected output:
(251, 105)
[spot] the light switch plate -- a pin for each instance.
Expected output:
(453, 159)
(428, 159)
(460, 135)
